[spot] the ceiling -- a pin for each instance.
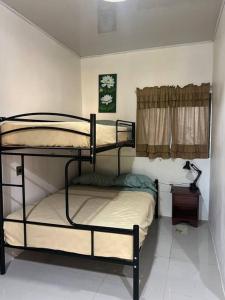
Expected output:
(94, 27)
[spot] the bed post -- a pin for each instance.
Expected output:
(79, 163)
(93, 139)
(157, 199)
(136, 262)
(24, 203)
(2, 237)
(118, 160)
(133, 135)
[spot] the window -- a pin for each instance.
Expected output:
(173, 121)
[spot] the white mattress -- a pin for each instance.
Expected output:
(105, 135)
(88, 205)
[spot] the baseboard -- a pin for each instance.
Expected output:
(217, 259)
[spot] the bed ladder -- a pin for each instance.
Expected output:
(2, 236)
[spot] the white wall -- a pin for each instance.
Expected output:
(37, 74)
(217, 194)
(179, 65)
(40, 74)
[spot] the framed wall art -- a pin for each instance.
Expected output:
(107, 93)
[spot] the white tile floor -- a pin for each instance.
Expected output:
(177, 263)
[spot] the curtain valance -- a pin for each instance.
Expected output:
(170, 96)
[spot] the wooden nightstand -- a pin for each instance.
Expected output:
(185, 205)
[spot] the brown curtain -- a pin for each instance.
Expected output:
(190, 122)
(153, 122)
(173, 121)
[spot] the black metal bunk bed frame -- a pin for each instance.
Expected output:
(78, 157)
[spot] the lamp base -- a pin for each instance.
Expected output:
(193, 187)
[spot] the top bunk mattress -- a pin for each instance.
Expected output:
(105, 135)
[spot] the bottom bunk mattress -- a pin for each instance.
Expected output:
(88, 205)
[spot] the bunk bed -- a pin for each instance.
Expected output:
(81, 139)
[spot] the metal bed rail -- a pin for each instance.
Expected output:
(130, 126)
(94, 149)
(18, 117)
(23, 118)
(134, 232)
(76, 157)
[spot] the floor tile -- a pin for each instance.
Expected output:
(176, 263)
(159, 240)
(39, 279)
(156, 280)
(115, 288)
(175, 296)
(193, 244)
(152, 282)
(198, 282)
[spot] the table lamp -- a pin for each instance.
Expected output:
(189, 166)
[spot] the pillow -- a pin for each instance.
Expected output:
(135, 181)
(94, 179)
(106, 122)
(131, 181)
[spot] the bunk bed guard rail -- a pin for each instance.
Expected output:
(94, 149)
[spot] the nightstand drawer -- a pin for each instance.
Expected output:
(186, 211)
(185, 201)
(185, 205)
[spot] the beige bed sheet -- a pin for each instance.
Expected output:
(105, 134)
(88, 205)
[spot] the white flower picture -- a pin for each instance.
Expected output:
(107, 92)
(106, 99)
(107, 81)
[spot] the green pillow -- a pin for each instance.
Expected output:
(95, 179)
(106, 122)
(135, 181)
(131, 181)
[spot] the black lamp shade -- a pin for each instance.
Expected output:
(187, 165)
